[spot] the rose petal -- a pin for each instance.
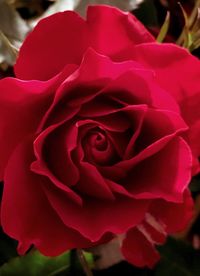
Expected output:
(128, 118)
(92, 184)
(138, 86)
(20, 101)
(97, 217)
(19, 104)
(138, 117)
(175, 125)
(156, 125)
(138, 250)
(110, 125)
(116, 188)
(107, 29)
(99, 106)
(184, 88)
(193, 141)
(160, 184)
(66, 174)
(160, 58)
(94, 73)
(27, 215)
(175, 216)
(113, 30)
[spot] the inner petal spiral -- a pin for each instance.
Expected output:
(98, 148)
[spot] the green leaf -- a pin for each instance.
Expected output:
(178, 258)
(164, 29)
(35, 264)
(185, 38)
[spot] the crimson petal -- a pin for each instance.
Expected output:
(175, 216)
(138, 250)
(25, 212)
(96, 217)
(107, 29)
(41, 165)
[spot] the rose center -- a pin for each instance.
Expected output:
(98, 148)
(99, 141)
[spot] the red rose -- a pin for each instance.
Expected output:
(178, 73)
(91, 141)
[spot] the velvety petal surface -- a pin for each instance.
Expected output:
(160, 183)
(22, 106)
(138, 250)
(26, 213)
(168, 60)
(97, 217)
(92, 77)
(174, 216)
(19, 104)
(106, 29)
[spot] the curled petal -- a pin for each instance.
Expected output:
(96, 217)
(185, 87)
(26, 214)
(175, 216)
(85, 84)
(159, 184)
(138, 250)
(20, 101)
(55, 162)
(104, 30)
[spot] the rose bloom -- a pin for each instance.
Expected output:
(93, 144)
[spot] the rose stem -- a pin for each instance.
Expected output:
(84, 263)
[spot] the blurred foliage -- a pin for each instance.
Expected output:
(147, 13)
(178, 258)
(164, 29)
(195, 185)
(35, 264)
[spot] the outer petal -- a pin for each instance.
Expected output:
(26, 213)
(54, 160)
(170, 150)
(138, 250)
(124, 83)
(113, 31)
(174, 216)
(64, 37)
(96, 217)
(95, 72)
(138, 246)
(157, 182)
(22, 105)
(57, 164)
(193, 141)
(173, 63)
(19, 104)
(164, 218)
(139, 86)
